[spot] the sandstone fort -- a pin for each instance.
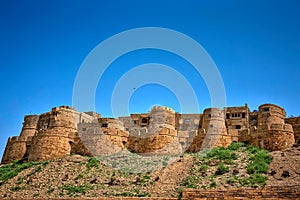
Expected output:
(64, 131)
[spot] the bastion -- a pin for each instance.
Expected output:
(64, 131)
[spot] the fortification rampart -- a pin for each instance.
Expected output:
(63, 130)
(29, 125)
(295, 122)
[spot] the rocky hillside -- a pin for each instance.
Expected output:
(127, 174)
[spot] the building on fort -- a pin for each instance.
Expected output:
(64, 131)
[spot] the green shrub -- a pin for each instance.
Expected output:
(232, 180)
(254, 180)
(252, 149)
(76, 189)
(260, 162)
(179, 191)
(222, 169)
(213, 184)
(17, 188)
(190, 182)
(235, 146)
(203, 168)
(11, 170)
(92, 162)
(222, 154)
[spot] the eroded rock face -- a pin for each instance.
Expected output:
(64, 131)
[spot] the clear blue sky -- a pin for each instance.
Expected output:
(255, 45)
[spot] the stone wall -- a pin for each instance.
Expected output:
(271, 114)
(237, 117)
(276, 137)
(101, 141)
(63, 130)
(295, 122)
(15, 149)
(155, 143)
(274, 192)
(51, 143)
(29, 125)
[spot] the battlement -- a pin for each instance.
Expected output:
(160, 108)
(64, 130)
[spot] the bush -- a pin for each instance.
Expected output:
(252, 149)
(254, 180)
(232, 180)
(11, 170)
(235, 146)
(213, 184)
(222, 154)
(190, 182)
(260, 162)
(92, 162)
(76, 189)
(222, 169)
(203, 168)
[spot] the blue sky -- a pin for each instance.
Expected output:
(255, 45)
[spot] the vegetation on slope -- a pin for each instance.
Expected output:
(78, 176)
(238, 166)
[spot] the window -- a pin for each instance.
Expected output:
(211, 126)
(227, 116)
(144, 120)
(265, 109)
(82, 121)
(187, 121)
(235, 115)
(238, 127)
(105, 125)
(134, 121)
(209, 115)
(243, 115)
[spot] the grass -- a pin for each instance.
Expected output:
(257, 160)
(76, 189)
(213, 184)
(222, 169)
(132, 194)
(92, 162)
(17, 188)
(254, 180)
(260, 162)
(13, 169)
(190, 182)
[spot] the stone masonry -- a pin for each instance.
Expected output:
(64, 131)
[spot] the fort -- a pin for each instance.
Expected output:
(64, 131)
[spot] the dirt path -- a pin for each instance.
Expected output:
(170, 177)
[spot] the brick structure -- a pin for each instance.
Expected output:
(64, 131)
(274, 192)
(295, 122)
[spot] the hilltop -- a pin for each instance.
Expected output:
(237, 166)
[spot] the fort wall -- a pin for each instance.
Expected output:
(15, 149)
(29, 125)
(64, 131)
(295, 122)
(274, 192)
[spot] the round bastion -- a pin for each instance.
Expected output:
(29, 125)
(271, 114)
